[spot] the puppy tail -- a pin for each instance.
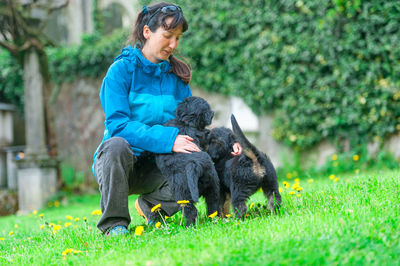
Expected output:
(247, 146)
(193, 180)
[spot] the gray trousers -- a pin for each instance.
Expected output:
(119, 174)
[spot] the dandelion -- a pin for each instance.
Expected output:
(29, 238)
(70, 251)
(310, 180)
(34, 212)
(295, 186)
(42, 226)
(331, 177)
(2, 239)
(280, 190)
(334, 157)
(41, 215)
(336, 179)
(96, 212)
(158, 225)
(183, 204)
(292, 192)
(139, 230)
(85, 219)
(69, 217)
(356, 157)
(11, 233)
(298, 195)
(286, 184)
(156, 208)
(56, 203)
(228, 215)
(297, 180)
(212, 215)
(251, 205)
(76, 219)
(289, 175)
(166, 217)
(299, 189)
(67, 224)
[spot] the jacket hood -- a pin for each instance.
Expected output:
(135, 54)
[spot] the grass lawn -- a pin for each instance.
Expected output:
(354, 220)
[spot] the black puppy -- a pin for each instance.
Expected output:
(191, 175)
(242, 175)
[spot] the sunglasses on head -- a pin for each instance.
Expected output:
(165, 10)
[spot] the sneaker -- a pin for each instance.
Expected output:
(117, 231)
(142, 208)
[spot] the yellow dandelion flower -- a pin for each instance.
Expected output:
(331, 177)
(16, 226)
(251, 205)
(356, 157)
(246, 215)
(334, 157)
(96, 212)
(2, 238)
(310, 180)
(286, 184)
(166, 217)
(69, 217)
(67, 251)
(298, 195)
(85, 219)
(67, 224)
(29, 238)
(156, 208)
(295, 186)
(56, 203)
(227, 215)
(212, 215)
(336, 179)
(139, 230)
(280, 190)
(299, 188)
(76, 219)
(34, 212)
(52, 225)
(41, 215)
(182, 202)
(42, 226)
(11, 233)
(158, 225)
(297, 180)
(289, 175)
(292, 192)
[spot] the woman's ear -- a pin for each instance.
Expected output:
(146, 32)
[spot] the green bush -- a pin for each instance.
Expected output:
(326, 69)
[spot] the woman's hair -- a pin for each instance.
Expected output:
(153, 17)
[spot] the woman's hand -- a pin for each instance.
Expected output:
(184, 143)
(237, 149)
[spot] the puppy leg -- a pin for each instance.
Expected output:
(271, 192)
(190, 214)
(239, 199)
(212, 193)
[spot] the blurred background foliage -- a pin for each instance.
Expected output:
(325, 69)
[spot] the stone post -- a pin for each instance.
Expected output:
(37, 174)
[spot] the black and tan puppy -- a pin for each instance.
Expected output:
(191, 175)
(242, 175)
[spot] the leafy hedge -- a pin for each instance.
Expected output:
(327, 69)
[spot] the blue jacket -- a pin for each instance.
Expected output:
(137, 97)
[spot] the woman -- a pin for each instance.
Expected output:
(139, 93)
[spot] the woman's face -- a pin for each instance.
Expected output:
(161, 43)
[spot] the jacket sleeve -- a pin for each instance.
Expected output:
(114, 100)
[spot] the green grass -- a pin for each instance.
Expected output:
(354, 221)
